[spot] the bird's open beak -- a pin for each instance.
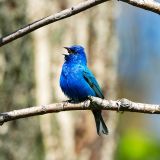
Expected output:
(65, 54)
(68, 49)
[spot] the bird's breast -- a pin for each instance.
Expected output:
(73, 83)
(72, 69)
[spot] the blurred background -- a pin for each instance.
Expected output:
(123, 46)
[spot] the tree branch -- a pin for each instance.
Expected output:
(92, 103)
(50, 19)
(149, 5)
(145, 4)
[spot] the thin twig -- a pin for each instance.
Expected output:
(119, 105)
(149, 5)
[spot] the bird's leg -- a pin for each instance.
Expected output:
(119, 107)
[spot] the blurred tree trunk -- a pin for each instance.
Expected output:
(17, 87)
(42, 53)
(105, 68)
(102, 49)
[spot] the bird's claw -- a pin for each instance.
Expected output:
(119, 108)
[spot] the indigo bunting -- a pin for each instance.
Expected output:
(77, 82)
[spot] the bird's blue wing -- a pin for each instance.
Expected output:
(89, 77)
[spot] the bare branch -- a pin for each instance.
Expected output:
(149, 5)
(145, 4)
(50, 19)
(93, 103)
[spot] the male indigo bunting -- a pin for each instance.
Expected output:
(77, 82)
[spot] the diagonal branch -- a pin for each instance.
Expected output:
(149, 5)
(50, 19)
(92, 103)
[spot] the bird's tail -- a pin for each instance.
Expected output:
(100, 125)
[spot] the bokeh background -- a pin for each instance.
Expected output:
(123, 46)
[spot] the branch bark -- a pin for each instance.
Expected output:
(50, 19)
(149, 5)
(93, 103)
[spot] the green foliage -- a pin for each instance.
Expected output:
(135, 145)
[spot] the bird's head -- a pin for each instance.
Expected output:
(75, 54)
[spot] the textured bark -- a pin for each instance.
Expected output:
(147, 5)
(17, 87)
(119, 105)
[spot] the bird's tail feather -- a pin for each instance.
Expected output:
(100, 125)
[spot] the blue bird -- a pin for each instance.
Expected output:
(77, 82)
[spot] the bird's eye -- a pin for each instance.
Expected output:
(70, 51)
